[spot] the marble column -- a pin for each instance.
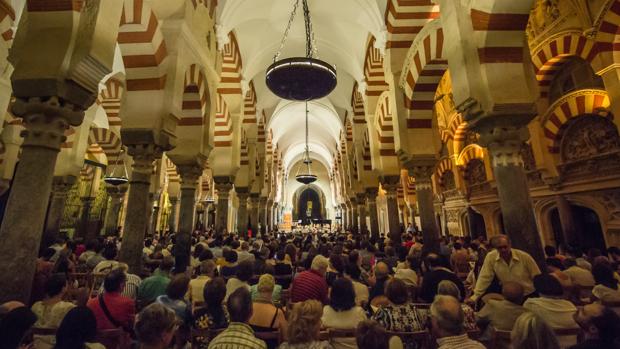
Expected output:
(269, 215)
(354, 216)
(565, 213)
(56, 210)
(262, 204)
(361, 208)
(254, 202)
(371, 200)
(276, 218)
(45, 122)
(243, 194)
(190, 174)
(505, 143)
(83, 230)
(172, 218)
(422, 169)
(223, 185)
(116, 193)
(390, 185)
(138, 203)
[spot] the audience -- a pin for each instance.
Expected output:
(578, 275)
(407, 272)
(352, 272)
(341, 312)
(15, 325)
(532, 332)
(238, 334)
(51, 311)
(550, 306)
(311, 284)
(197, 285)
(600, 325)
(447, 324)
(501, 313)
(77, 330)
(266, 316)
(400, 315)
(156, 284)
(245, 271)
(448, 288)
(437, 273)
(113, 310)
(606, 289)
(381, 276)
(155, 327)
(370, 335)
(304, 327)
(174, 298)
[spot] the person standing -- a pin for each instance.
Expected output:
(506, 264)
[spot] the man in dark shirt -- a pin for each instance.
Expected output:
(434, 276)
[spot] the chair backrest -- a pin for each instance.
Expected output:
(41, 331)
(340, 333)
(111, 339)
(567, 336)
(500, 339)
(422, 305)
(420, 337)
(203, 336)
(266, 336)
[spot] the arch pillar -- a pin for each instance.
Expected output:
(172, 218)
(223, 185)
(371, 199)
(361, 207)
(254, 203)
(116, 193)
(242, 214)
(390, 185)
(190, 175)
(60, 190)
(354, 216)
(262, 205)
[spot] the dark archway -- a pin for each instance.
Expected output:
(587, 228)
(309, 206)
(476, 224)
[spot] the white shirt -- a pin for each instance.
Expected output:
(521, 269)
(557, 313)
(347, 319)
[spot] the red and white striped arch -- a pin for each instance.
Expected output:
(425, 65)
(7, 17)
(87, 173)
(458, 128)
(109, 142)
(230, 79)
(195, 98)
(552, 53)
(70, 138)
(385, 127)
(366, 154)
(143, 47)
(472, 151)
(373, 70)
(110, 101)
(244, 158)
(571, 105)
(171, 172)
(260, 133)
(357, 104)
(443, 166)
(609, 26)
(249, 106)
(223, 135)
(269, 142)
(405, 18)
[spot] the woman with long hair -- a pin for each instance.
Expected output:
(304, 327)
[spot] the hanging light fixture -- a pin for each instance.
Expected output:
(116, 180)
(308, 177)
(301, 78)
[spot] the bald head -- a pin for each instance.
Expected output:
(447, 316)
(513, 292)
(381, 270)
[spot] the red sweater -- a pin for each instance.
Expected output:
(309, 285)
(121, 308)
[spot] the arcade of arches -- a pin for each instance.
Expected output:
(463, 117)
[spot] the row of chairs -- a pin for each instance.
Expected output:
(111, 339)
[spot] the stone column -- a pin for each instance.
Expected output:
(361, 208)
(571, 238)
(223, 185)
(390, 185)
(45, 123)
(371, 199)
(269, 215)
(83, 229)
(354, 216)
(115, 203)
(56, 210)
(154, 219)
(422, 170)
(242, 214)
(262, 204)
(172, 219)
(505, 143)
(190, 174)
(138, 203)
(254, 201)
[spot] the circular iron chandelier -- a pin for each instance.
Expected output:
(301, 78)
(307, 177)
(116, 180)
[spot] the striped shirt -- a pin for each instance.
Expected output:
(237, 336)
(309, 285)
(458, 342)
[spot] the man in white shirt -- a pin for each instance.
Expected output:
(507, 264)
(578, 275)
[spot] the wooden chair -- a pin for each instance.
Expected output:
(80, 279)
(336, 335)
(500, 339)
(97, 282)
(112, 339)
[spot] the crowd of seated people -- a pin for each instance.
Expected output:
(312, 289)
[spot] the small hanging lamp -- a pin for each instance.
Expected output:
(116, 180)
(301, 78)
(308, 177)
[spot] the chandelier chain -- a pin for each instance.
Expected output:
(286, 31)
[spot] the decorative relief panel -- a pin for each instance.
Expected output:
(475, 172)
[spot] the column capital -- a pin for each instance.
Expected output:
(505, 143)
(372, 192)
(173, 200)
(45, 121)
(143, 156)
(62, 184)
(243, 193)
(419, 166)
(361, 197)
(116, 191)
(190, 174)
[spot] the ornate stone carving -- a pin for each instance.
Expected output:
(447, 181)
(452, 216)
(475, 173)
(545, 13)
(470, 138)
(587, 137)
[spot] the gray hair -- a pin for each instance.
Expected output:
(447, 311)
(319, 263)
(448, 288)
